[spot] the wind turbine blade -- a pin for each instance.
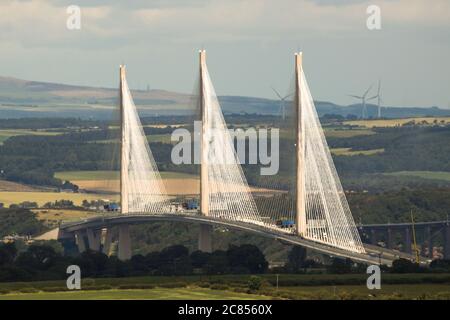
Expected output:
(367, 91)
(289, 95)
(372, 97)
(357, 97)
(276, 92)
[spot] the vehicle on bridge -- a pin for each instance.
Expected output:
(112, 207)
(190, 205)
(286, 223)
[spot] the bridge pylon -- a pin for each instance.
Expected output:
(300, 195)
(205, 234)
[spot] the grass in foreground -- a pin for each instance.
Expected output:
(387, 291)
(144, 294)
(302, 286)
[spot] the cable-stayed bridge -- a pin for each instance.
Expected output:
(316, 214)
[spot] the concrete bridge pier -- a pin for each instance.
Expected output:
(94, 239)
(407, 241)
(447, 241)
(430, 241)
(390, 238)
(373, 237)
(205, 238)
(81, 244)
(107, 242)
(124, 252)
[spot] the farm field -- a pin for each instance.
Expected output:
(432, 175)
(17, 187)
(350, 152)
(62, 214)
(108, 181)
(176, 183)
(43, 197)
(163, 138)
(347, 133)
(112, 175)
(6, 134)
(397, 122)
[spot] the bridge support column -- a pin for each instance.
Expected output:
(94, 239)
(205, 238)
(430, 242)
(124, 252)
(447, 242)
(80, 241)
(407, 241)
(390, 238)
(107, 244)
(373, 237)
(300, 197)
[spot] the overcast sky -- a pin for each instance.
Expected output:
(249, 43)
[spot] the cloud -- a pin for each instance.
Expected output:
(131, 4)
(42, 22)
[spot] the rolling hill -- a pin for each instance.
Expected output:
(23, 98)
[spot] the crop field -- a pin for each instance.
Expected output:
(43, 197)
(112, 175)
(108, 181)
(350, 152)
(347, 133)
(62, 214)
(16, 187)
(432, 175)
(398, 122)
(163, 138)
(6, 134)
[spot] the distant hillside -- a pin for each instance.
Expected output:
(22, 98)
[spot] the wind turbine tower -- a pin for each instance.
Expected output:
(379, 99)
(282, 103)
(363, 101)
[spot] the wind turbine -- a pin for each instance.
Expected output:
(379, 98)
(282, 109)
(363, 100)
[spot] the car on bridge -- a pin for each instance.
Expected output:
(286, 223)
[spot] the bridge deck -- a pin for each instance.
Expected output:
(373, 255)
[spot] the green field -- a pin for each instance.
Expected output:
(294, 286)
(163, 138)
(144, 294)
(431, 175)
(111, 175)
(6, 134)
(346, 133)
(350, 152)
